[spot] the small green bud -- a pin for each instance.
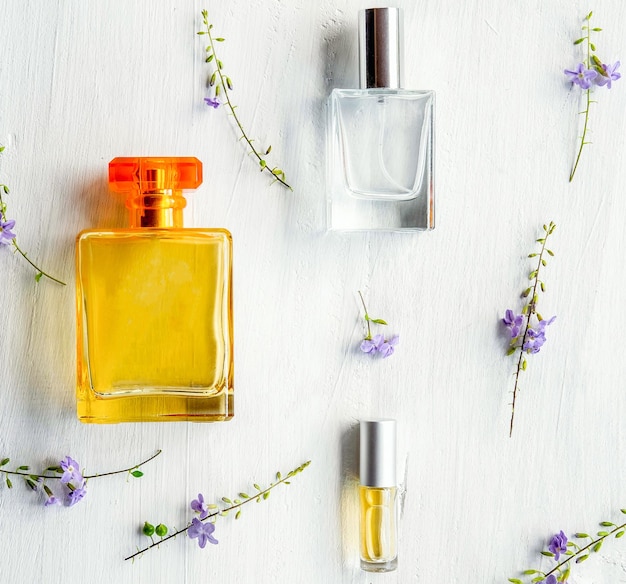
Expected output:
(160, 530)
(578, 41)
(582, 559)
(9, 483)
(227, 500)
(607, 524)
(7, 460)
(238, 514)
(593, 47)
(619, 534)
(596, 548)
(137, 474)
(148, 529)
(547, 554)
(581, 535)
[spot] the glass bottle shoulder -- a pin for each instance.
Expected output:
(374, 93)
(174, 233)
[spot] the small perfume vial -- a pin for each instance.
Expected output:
(380, 139)
(377, 495)
(154, 305)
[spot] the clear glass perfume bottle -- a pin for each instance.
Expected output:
(380, 139)
(378, 495)
(154, 305)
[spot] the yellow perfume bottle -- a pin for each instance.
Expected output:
(378, 495)
(154, 305)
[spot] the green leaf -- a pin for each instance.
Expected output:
(137, 474)
(262, 163)
(533, 255)
(23, 467)
(588, 17)
(619, 534)
(541, 240)
(379, 321)
(596, 548)
(257, 487)
(550, 252)
(9, 483)
(161, 530)
(238, 514)
(622, 510)
(278, 172)
(237, 501)
(537, 579)
(515, 581)
(201, 32)
(148, 529)
(603, 533)
(597, 29)
(2, 148)
(593, 47)
(547, 554)
(5, 461)
(511, 351)
(578, 41)
(209, 58)
(38, 276)
(266, 494)
(532, 275)
(244, 495)
(530, 572)
(582, 559)
(220, 39)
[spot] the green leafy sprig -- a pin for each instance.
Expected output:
(220, 509)
(576, 553)
(528, 311)
(222, 84)
(4, 189)
(590, 61)
(34, 481)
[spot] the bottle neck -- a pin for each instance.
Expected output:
(162, 208)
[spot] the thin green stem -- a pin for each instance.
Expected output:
(93, 476)
(367, 318)
(263, 494)
(224, 86)
(19, 250)
(531, 311)
(588, 99)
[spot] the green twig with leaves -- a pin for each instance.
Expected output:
(524, 338)
(4, 189)
(222, 84)
(221, 509)
(575, 553)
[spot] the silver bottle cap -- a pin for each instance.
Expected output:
(381, 48)
(377, 460)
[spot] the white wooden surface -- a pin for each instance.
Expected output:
(83, 82)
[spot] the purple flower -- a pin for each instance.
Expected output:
(513, 322)
(71, 471)
(74, 496)
(199, 507)
(213, 102)
(387, 348)
(52, 500)
(202, 531)
(372, 345)
(537, 336)
(608, 74)
(6, 235)
(558, 545)
(581, 76)
(551, 579)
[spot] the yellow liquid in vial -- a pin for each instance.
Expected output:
(154, 325)
(378, 528)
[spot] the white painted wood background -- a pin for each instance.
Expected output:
(83, 82)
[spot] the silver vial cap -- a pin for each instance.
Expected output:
(377, 459)
(381, 48)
